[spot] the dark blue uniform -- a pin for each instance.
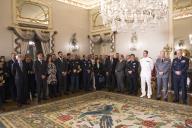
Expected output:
(132, 77)
(179, 81)
(75, 69)
(86, 72)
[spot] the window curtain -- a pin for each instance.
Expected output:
(23, 36)
(44, 36)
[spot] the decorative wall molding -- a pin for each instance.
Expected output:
(182, 9)
(183, 13)
(86, 4)
(102, 38)
(96, 23)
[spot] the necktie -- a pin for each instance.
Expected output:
(21, 65)
(162, 60)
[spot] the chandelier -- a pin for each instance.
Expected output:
(134, 14)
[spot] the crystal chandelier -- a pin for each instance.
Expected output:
(134, 14)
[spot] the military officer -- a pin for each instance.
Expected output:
(120, 73)
(132, 71)
(75, 69)
(86, 73)
(180, 66)
(146, 70)
(162, 66)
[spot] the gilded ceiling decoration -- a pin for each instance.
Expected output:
(87, 4)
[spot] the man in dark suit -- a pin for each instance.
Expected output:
(120, 73)
(180, 66)
(11, 80)
(109, 73)
(62, 68)
(40, 68)
(19, 71)
(86, 73)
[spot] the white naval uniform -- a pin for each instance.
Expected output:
(147, 66)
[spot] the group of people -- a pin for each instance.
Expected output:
(23, 79)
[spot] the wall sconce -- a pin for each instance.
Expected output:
(74, 48)
(134, 42)
(180, 45)
(73, 43)
(190, 38)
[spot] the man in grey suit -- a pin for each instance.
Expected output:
(162, 66)
(120, 73)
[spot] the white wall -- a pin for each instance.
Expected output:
(182, 28)
(66, 20)
(152, 40)
(6, 37)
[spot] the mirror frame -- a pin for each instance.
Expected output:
(180, 13)
(19, 22)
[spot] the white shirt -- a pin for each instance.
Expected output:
(147, 66)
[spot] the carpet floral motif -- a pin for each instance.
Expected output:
(101, 110)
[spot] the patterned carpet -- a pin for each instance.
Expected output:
(101, 110)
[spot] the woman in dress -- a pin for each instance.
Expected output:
(51, 78)
(99, 74)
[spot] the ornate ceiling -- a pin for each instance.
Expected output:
(87, 4)
(181, 4)
(182, 8)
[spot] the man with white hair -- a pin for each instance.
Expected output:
(19, 71)
(146, 70)
(162, 66)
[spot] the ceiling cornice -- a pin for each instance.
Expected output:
(86, 4)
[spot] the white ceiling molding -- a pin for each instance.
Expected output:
(182, 13)
(86, 4)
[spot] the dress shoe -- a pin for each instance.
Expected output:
(66, 93)
(39, 101)
(184, 102)
(19, 105)
(149, 97)
(176, 101)
(142, 95)
(45, 98)
(158, 98)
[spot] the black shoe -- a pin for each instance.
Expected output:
(185, 102)
(45, 98)
(166, 100)
(26, 103)
(19, 105)
(39, 101)
(66, 93)
(158, 98)
(176, 101)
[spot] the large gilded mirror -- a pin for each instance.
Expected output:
(32, 12)
(182, 25)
